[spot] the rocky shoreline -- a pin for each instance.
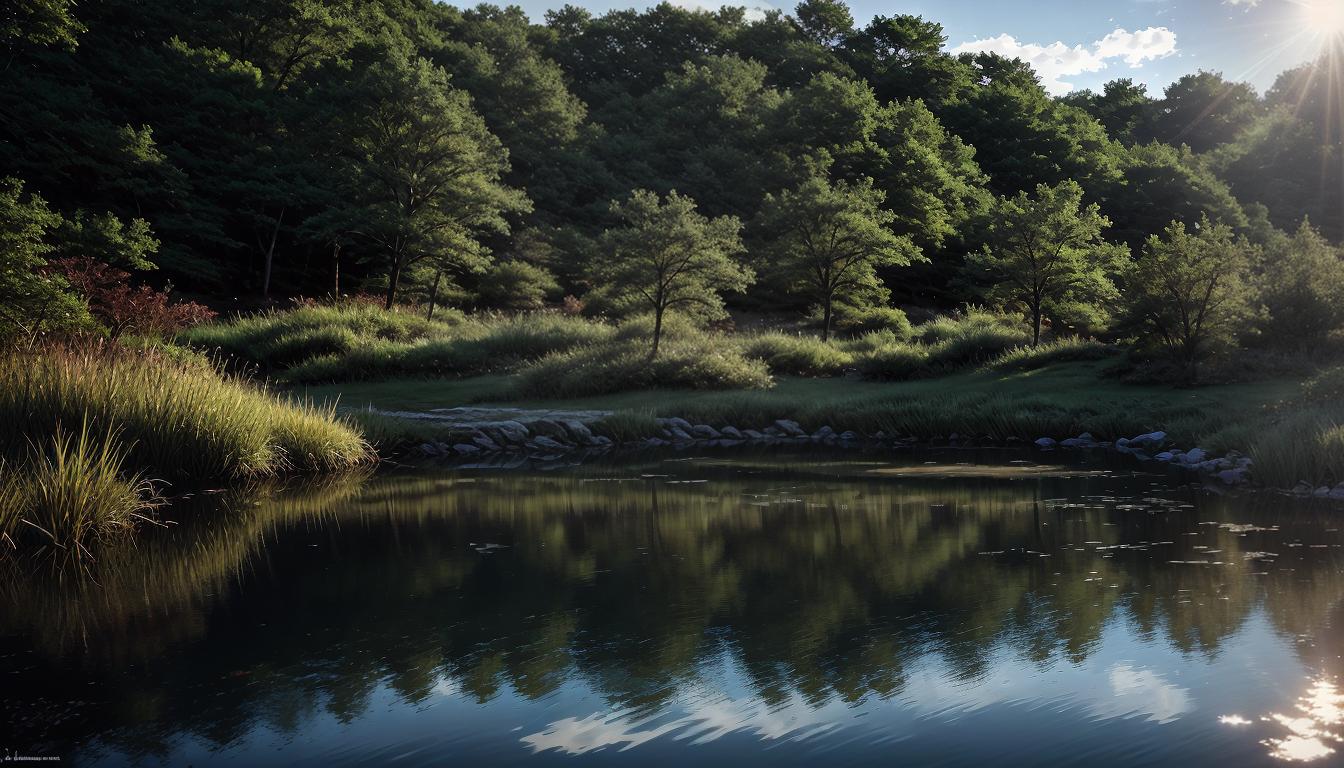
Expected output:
(476, 433)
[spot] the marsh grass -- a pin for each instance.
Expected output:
(70, 491)
(181, 423)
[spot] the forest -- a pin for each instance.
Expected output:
(242, 154)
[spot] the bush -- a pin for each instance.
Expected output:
(866, 320)
(177, 422)
(516, 285)
(896, 362)
(973, 337)
(797, 355)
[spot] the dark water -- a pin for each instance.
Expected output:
(742, 610)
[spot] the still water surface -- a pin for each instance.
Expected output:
(743, 609)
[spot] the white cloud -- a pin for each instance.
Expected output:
(1057, 61)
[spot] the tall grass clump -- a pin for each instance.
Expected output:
(182, 423)
(70, 490)
(797, 355)
(1069, 350)
(688, 358)
(896, 361)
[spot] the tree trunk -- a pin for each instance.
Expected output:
(270, 254)
(657, 330)
(335, 270)
(1035, 327)
(393, 279)
(434, 295)
(826, 321)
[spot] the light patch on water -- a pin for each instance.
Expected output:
(988, 471)
(1143, 691)
(1311, 729)
(1234, 720)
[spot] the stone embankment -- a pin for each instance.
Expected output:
(476, 433)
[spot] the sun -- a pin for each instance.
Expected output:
(1324, 16)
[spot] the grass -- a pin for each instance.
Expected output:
(179, 422)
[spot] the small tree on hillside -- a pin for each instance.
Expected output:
(1047, 255)
(1189, 291)
(829, 240)
(666, 255)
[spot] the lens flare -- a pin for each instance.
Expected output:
(1324, 16)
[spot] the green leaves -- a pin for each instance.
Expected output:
(665, 255)
(1047, 256)
(829, 239)
(31, 298)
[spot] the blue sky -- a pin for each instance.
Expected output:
(1084, 43)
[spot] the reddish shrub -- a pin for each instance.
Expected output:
(122, 307)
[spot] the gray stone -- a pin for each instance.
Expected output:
(677, 423)
(705, 432)
(1164, 456)
(732, 433)
(1150, 440)
(601, 441)
(772, 432)
(578, 431)
(848, 436)
(1232, 476)
(823, 433)
(679, 435)
(551, 429)
(547, 443)
(1195, 456)
(485, 443)
(512, 431)
(1045, 443)
(655, 442)
(466, 449)
(752, 434)
(790, 428)
(1303, 488)
(1337, 492)
(1321, 492)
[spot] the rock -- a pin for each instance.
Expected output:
(1303, 488)
(578, 431)
(512, 431)
(1150, 440)
(1321, 492)
(823, 433)
(790, 428)
(678, 423)
(772, 432)
(1232, 476)
(601, 441)
(485, 443)
(1164, 456)
(1082, 441)
(752, 434)
(879, 435)
(466, 449)
(732, 433)
(1045, 443)
(431, 449)
(705, 432)
(848, 436)
(547, 443)
(655, 442)
(679, 435)
(1195, 456)
(1337, 492)
(551, 429)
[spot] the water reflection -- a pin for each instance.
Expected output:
(1311, 729)
(670, 606)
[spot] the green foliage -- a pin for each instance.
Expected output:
(896, 362)
(1301, 286)
(829, 239)
(516, 285)
(1048, 256)
(1066, 350)
(32, 298)
(861, 320)
(1204, 111)
(797, 355)
(666, 256)
(1189, 292)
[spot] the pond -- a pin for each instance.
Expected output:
(749, 608)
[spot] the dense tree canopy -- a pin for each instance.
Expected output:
(271, 148)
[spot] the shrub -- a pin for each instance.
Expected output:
(177, 422)
(516, 285)
(968, 338)
(857, 320)
(121, 307)
(797, 355)
(896, 362)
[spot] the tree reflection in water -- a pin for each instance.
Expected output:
(807, 587)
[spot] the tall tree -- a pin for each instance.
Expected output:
(829, 239)
(665, 255)
(1047, 255)
(1204, 111)
(1189, 291)
(425, 172)
(32, 297)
